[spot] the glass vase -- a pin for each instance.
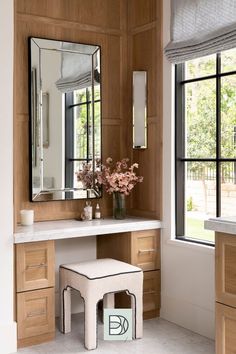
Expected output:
(119, 211)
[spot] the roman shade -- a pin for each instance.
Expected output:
(201, 27)
(76, 67)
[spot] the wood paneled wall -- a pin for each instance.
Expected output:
(145, 53)
(129, 33)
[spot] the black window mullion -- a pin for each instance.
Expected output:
(180, 151)
(218, 135)
(87, 118)
(69, 143)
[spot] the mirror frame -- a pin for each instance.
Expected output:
(33, 104)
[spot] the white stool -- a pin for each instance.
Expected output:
(95, 279)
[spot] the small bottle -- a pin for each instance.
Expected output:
(88, 211)
(97, 212)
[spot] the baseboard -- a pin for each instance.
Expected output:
(8, 338)
(191, 316)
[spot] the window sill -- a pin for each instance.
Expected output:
(190, 245)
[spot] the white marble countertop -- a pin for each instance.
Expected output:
(225, 224)
(54, 230)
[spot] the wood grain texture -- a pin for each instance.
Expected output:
(95, 22)
(100, 13)
(35, 265)
(225, 264)
(225, 329)
(129, 33)
(42, 338)
(145, 249)
(145, 53)
(35, 313)
(151, 294)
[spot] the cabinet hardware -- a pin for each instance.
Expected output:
(41, 265)
(149, 250)
(147, 292)
(36, 313)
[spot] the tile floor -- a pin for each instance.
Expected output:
(160, 337)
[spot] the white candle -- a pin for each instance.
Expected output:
(27, 217)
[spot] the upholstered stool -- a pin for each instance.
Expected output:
(95, 280)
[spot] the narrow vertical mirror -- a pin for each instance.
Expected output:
(65, 109)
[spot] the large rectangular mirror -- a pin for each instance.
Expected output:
(65, 119)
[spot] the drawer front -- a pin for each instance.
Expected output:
(145, 249)
(35, 313)
(151, 291)
(35, 265)
(225, 253)
(225, 329)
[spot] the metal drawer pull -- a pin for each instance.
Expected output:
(36, 313)
(41, 265)
(149, 292)
(149, 250)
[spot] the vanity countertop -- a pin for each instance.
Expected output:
(222, 224)
(61, 229)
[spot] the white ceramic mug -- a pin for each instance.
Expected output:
(27, 217)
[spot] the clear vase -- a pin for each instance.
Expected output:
(119, 211)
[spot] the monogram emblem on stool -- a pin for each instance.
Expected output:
(117, 324)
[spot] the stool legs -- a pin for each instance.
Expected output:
(109, 301)
(65, 310)
(137, 309)
(90, 323)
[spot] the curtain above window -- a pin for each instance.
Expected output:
(201, 27)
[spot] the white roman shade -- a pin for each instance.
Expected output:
(201, 27)
(76, 67)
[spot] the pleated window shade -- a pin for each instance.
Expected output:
(201, 27)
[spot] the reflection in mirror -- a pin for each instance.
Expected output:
(65, 108)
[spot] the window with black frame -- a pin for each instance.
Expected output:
(78, 133)
(205, 143)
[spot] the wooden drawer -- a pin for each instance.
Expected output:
(145, 249)
(151, 294)
(35, 313)
(225, 269)
(225, 329)
(35, 265)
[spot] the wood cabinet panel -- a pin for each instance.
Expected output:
(35, 313)
(102, 13)
(151, 294)
(140, 248)
(141, 12)
(226, 269)
(146, 249)
(35, 265)
(225, 329)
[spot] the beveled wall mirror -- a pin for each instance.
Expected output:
(65, 119)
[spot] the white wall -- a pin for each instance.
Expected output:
(7, 326)
(69, 251)
(187, 270)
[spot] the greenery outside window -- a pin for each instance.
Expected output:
(205, 143)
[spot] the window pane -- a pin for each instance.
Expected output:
(200, 67)
(200, 199)
(228, 116)
(228, 188)
(80, 131)
(82, 95)
(97, 129)
(228, 60)
(200, 119)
